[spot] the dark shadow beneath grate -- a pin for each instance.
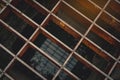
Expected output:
(30, 11)
(5, 58)
(51, 48)
(40, 63)
(61, 34)
(83, 72)
(49, 4)
(18, 24)
(10, 41)
(19, 72)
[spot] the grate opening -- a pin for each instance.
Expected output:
(18, 24)
(10, 41)
(40, 63)
(49, 4)
(72, 18)
(19, 72)
(85, 7)
(30, 11)
(5, 58)
(52, 49)
(81, 70)
(61, 34)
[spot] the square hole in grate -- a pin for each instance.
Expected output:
(109, 24)
(28, 8)
(10, 40)
(49, 4)
(51, 48)
(81, 71)
(5, 58)
(85, 7)
(40, 63)
(18, 24)
(19, 72)
(113, 49)
(61, 34)
(94, 57)
(74, 19)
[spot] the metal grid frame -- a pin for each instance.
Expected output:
(39, 27)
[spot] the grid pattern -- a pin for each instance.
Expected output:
(60, 40)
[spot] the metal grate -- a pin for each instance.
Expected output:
(59, 39)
